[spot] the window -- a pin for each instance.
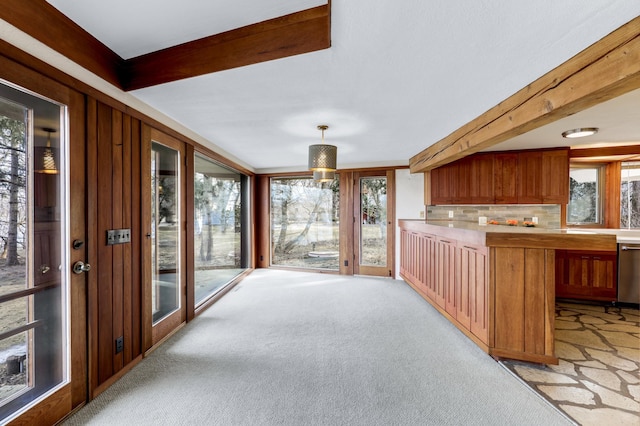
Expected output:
(585, 195)
(305, 223)
(630, 195)
(33, 266)
(218, 231)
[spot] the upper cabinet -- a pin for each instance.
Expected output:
(513, 177)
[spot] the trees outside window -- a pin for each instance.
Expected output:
(305, 223)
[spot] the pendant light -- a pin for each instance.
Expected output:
(324, 176)
(48, 161)
(322, 157)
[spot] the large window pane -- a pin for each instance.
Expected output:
(33, 291)
(630, 195)
(218, 213)
(585, 195)
(305, 223)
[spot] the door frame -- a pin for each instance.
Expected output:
(350, 230)
(73, 394)
(153, 335)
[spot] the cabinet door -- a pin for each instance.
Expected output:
(586, 275)
(472, 290)
(482, 179)
(505, 168)
(604, 276)
(464, 180)
(445, 286)
(555, 176)
(530, 177)
(430, 265)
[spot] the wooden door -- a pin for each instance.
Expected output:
(374, 230)
(164, 227)
(43, 303)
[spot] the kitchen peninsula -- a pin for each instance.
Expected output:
(495, 283)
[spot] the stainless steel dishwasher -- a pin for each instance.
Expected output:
(629, 273)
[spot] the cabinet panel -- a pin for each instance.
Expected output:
(472, 290)
(555, 176)
(482, 178)
(505, 168)
(530, 177)
(586, 275)
(445, 283)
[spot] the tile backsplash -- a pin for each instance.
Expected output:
(548, 214)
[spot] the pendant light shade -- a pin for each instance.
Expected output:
(324, 176)
(322, 157)
(48, 161)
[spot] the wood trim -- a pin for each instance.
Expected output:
(111, 380)
(613, 181)
(263, 214)
(48, 25)
(49, 411)
(300, 32)
(603, 71)
(605, 151)
(189, 173)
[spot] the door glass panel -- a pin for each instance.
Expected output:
(373, 221)
(218, 213)
(630, 195)
(165, 231)
(305, 223)
(33, 262)
(585, 195)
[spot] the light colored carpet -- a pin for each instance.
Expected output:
(294, 348)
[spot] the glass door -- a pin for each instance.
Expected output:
(34, 260)
(165, 287)
(373, 231)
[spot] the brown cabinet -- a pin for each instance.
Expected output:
(445, 289)
(505, 169)
(588, 275)
(555, 176)
(529, 176)
(472, 289)
(512, 177)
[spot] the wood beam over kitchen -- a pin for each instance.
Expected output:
(603, 71)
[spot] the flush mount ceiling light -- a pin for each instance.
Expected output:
(322, 157)
(48, 161)
(580, 133)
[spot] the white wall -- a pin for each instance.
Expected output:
(409, 203)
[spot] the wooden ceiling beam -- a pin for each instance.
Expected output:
(301, 32)
(603, 71)
(46, 24)
(293, 34)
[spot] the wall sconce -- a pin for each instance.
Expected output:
(48, 162)
(322, 157)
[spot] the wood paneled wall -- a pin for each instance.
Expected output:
(113, 174)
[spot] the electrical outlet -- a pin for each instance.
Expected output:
(422, 215)
(119, 344)
(450, 214)
(534, 220)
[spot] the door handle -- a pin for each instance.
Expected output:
(625, 248)
(80, 267)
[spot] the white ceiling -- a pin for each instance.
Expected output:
(399, 76)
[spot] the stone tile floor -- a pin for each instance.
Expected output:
(597, 381)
